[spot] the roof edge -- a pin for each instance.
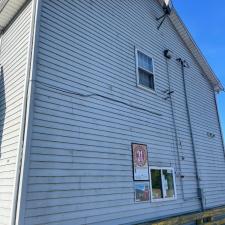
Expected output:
(3, 4)
(8, 10)
(194, 49)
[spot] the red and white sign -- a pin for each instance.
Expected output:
(140, 162)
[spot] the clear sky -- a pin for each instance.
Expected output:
(206, 22)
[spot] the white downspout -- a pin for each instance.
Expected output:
(25, 112)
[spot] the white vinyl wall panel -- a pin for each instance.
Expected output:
(80, 162)
(13, 58)
(209, 149)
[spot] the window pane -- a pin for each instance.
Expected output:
(146, 79)
(140, 59)
(156, 184)
(168, 184)
(145, 62)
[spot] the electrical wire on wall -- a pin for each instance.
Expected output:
(170, 93)
(68, 92)
(184, 64)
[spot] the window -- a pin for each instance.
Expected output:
(162, 184)
(145, 73)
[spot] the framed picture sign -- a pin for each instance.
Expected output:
(140, 162)
(142, 192)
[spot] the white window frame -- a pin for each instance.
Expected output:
(137, 70)
(174, 183)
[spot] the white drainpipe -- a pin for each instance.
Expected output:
(25, 116)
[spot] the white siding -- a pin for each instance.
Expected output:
(80, 162)
(211, 158)
(13, 59)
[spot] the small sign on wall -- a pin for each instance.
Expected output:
(140, 162)
(142, 192)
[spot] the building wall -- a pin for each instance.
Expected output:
(13, 59)
(210, 153)
(80, 168)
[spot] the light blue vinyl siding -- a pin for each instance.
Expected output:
(80, 155)
(13, 60)
(210, 152)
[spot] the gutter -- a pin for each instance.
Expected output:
(25, 114)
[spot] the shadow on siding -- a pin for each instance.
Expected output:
(2, 107)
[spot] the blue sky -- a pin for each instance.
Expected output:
(206, 22)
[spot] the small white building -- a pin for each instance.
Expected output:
(107, 116)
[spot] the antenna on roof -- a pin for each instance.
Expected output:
(167, 8)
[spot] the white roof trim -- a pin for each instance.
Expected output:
(2, 4)
(194, 49)
(8, 10)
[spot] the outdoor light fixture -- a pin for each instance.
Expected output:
(168, 54)
(167, 8)
(168, 5)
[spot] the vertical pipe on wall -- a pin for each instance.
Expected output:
(25, 113)
(20, 214)
(182, 63)
(174, 127)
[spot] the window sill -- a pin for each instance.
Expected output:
(163, 200)
(146, 89)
